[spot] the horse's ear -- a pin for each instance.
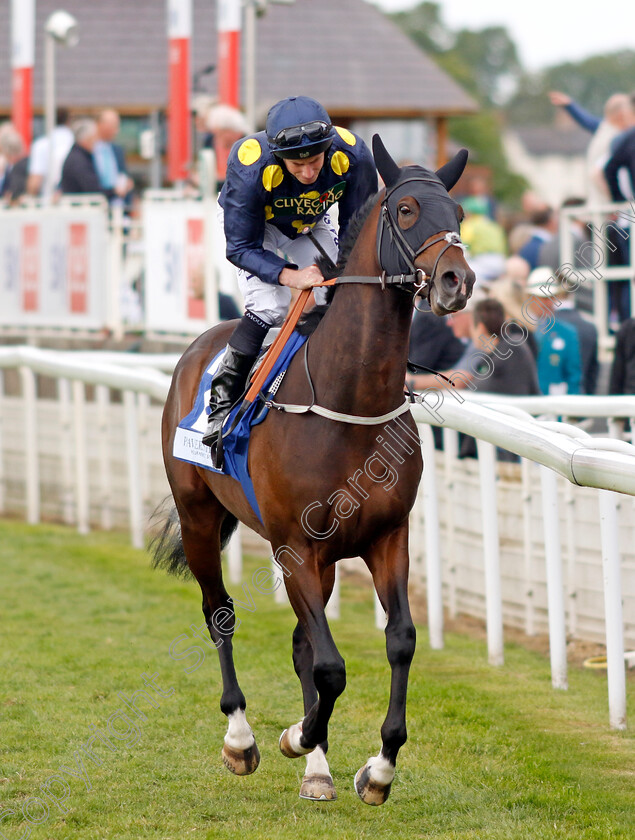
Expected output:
(453, 169)
(386, 166)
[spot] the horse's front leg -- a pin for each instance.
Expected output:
(202, 550)
(317, 783)
(328, 671)
(388, 563)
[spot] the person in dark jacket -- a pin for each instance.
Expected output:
(622, 379)
(79, 174)
(433, 343)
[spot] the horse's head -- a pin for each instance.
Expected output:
(418, 229)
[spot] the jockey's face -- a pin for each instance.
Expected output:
(306, 170)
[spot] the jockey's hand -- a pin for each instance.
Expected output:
(302, 278)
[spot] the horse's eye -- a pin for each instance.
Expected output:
(405, 210)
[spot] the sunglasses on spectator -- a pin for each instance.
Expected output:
(316, 130)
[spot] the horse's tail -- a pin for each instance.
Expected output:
(166, 547)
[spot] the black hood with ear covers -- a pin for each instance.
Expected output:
(438, 211)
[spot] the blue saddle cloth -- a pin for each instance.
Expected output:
(188, 445)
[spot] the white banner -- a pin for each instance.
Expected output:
(179, 18)
(53, 267)
(175, 265)
(22, 33)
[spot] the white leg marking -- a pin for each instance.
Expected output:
(293, 734)
(239, 734)
(382, 771)
(316, 763)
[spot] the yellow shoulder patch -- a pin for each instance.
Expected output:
(340, 163)
(272, 176)
(346, 135)
(249, 151)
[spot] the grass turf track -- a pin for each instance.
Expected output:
(492, 753)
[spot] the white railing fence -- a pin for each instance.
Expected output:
(592, 237)
(512, 543)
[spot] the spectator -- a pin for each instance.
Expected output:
(545, 226)
(79, 174)
(110, 157)
(622, 380)
(490, 363)
(618, 117)
(510, 292)
(38, 182)
(623, 156)
(478, 188)
(485, 239)
(587, 335)
(226, 125)
(13, 180)
(559, 366)
(433, 343)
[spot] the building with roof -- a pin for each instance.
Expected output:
(551, 157)
(369, 75)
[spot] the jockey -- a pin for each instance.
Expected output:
(279, 182)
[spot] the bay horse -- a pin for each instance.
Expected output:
(316, 478)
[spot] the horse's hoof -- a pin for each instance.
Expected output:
(241, 762)
(289, 742)
(318, 787)
(368, 791)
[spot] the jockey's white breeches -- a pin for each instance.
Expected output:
(271, 302)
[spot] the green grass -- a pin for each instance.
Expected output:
(492, 753)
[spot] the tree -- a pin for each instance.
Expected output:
(486, 64)
(590, 82)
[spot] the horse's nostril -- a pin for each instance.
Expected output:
(450, 280)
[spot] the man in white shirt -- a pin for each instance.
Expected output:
(39, 182)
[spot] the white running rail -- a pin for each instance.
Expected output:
(131, 389)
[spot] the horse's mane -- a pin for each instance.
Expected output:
(308, 323)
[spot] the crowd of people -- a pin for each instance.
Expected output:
(78, 158)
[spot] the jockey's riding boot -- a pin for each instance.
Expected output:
(227, 385)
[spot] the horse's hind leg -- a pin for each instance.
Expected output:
(317, 783)
(388, 563)
(201, 542)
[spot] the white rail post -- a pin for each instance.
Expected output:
(235, 557)
(450, 458)
(102, 395)
(434, 587)
(555, 587)
(81, 457)
(135, 501)
(332, 609)
(609, 529)
(530, 625)
(381, 619)
(65, 400)
(491, 551)
(143, 408)
(32, 465)
(572, 590)
(280, 594)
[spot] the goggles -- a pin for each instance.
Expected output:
(313, 131)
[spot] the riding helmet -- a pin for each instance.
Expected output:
(298, 127)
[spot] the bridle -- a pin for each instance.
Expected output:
(388, 224)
